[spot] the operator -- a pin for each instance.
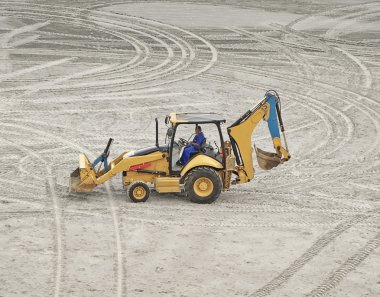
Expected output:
(193, 146)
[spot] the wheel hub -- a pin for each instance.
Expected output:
(203, 187)
(139, 192)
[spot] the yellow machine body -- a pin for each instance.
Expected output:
(152, 165)
(167, 184)
(201, 160)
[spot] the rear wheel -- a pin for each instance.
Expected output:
(138, 192)
(203, 185)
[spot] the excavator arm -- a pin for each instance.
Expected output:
(240, 133)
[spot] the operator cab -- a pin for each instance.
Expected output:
(181, 127)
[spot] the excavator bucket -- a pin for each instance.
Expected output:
(267, 160)
(83, 179)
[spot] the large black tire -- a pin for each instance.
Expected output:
(138, 192)
(203, 185)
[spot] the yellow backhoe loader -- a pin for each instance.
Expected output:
(210, 169)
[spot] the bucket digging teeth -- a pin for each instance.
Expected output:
(267, 160)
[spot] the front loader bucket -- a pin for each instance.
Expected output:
(83, 179)
(267, 160)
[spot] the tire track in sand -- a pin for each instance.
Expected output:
(57, 213)
(349, 265)
(309, 254)
(51, 183)
(117, 19)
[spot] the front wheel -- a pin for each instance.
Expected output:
(138, 192)
(203, 185)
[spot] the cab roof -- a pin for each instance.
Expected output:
(196, 118)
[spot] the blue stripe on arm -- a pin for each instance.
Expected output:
(272, 120)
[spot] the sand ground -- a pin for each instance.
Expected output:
(74, 74)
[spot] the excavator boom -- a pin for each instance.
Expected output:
(240, 132)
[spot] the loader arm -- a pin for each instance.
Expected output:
(85, 178)
(240, 133)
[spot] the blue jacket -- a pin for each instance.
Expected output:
(198, 139)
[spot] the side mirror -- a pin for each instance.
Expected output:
(167, 120)
(169, 132)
